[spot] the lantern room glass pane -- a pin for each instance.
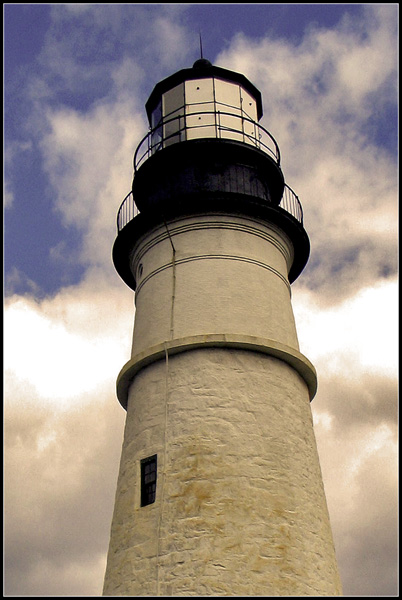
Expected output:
(156, 137)
(200, 108)
(205, 108)
(200, 126)
(248, 104)
(251, 133)
(227, 94)
(200, 92)
(228, 103)
(156, 115)
(173, 111)
(174, 130)
(230, 127)
(173, 101)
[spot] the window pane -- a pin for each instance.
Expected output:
(200, 126)
(156, 115)
(248, 104)
(173, 101)
(230, 127)
(199, 91)
(227, 93)
(148, 480)
(173, 110)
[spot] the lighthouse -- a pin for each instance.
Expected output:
(220, 490)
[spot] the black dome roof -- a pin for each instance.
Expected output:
(202, 63)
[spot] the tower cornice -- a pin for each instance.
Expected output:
(189, 206)
(273, 348)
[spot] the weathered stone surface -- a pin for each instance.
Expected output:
(240, 507)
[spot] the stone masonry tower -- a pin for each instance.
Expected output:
(220, 490)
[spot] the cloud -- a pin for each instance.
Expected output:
(60, 478)
(88, 159)
(320, 97)
(175, 42)
(353, 345)
(358, 456)
(15, 279)
(355, 422)
(11, 156)
(84, 47)
(66, 347)
(8, 195)
(324, 70)
(63, 425)
(370, 542)
(63, 435)
(358, 335)
(87, 147)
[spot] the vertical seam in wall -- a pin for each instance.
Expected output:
(173, 282)
(173, 293)
(162, 484)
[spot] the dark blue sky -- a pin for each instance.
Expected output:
(219, 23)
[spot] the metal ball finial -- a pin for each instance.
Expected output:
(202, 63)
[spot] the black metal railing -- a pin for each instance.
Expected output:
(127, 211)
(289, 203)
(215, 125)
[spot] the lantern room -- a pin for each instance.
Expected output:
(205, 142)
(204, 102)
(206, 153)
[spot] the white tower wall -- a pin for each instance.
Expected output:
(227, 274)
(218, 390)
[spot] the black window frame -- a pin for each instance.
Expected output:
(149, 469)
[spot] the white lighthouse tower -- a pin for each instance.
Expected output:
(220, 489)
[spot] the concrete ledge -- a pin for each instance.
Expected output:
(244, 342)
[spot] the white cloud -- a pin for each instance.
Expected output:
(320, 98)
(88, 158)
(359, 466)
(358, 335)
(65, 348)
(174, 41)
(60, 475)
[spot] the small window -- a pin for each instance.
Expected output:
(148, 480)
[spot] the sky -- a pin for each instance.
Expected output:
(76, 79)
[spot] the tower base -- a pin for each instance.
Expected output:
(240, 506)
